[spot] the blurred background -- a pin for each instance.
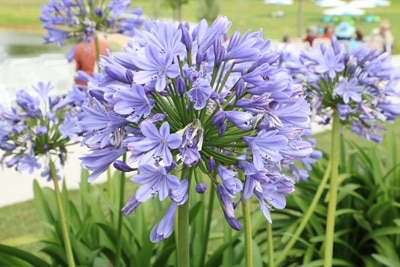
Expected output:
(21, 29)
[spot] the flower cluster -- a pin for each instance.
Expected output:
(83, 19)
(181, 100)
(39, 127)
(361, 85)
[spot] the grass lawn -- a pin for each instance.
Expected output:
(23, 15)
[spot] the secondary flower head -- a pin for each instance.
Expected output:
(87, 18)
(359, 84)
(181, 100)
(35, 129)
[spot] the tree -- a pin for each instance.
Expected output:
(176, 6)
(208, 9)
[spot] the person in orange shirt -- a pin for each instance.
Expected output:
(85, 57)
(328, 32)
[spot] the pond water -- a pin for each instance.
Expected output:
(23, 45)
(25, 60)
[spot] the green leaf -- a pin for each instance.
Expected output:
(56, 253)
(378, 209)
(29, 239)
(386, 261)
(390, 230)
(387, 247)
(23, 255)
(335, 262)
(362, 221)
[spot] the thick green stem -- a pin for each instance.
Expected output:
(208, 225)
(97, 45)
(248, 237)
(270, 245)
(334, 185)
(183, 237)
(64, 227)
(227, 260)
(120, 218)
(306, 218)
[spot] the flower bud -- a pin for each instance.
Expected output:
(180, 85)
(242, 120)
(219, 118)
(211, 164)
(131, 206)
(233, 222)
(122, 166)
(13, 161)
(219, 52)
(222, 128)
(186, 40)
(117, 74)
(98, 94)
(199, 57)
(98, 12)
(239, 88)
(129, 76)
(201, 188)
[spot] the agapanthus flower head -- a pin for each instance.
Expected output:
(359, 85)
(39, 127)
(197, 102)
(84, 19)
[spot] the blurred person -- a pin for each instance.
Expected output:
(312, 33)
(328, 31)
(286, 39)
(381, 38)
(345, 34)
(359, 36)
(85, 57)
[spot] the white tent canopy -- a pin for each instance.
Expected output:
(361, 4)
(330, 3)
(344, 11)
(278, 2)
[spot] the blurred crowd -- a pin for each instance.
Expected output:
(380, 38)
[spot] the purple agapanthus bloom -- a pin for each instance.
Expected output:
(156, 145)
(349, 90)
(183, 100)
(86, 19)
(100, 160)
(30, 131)
(329, 64)
(133, 102)
(99, 124)
(155, 182)
(229, 180)
(28, 162)
(200, 93)
(155, 67)
(272, 194)
(164, 227)
(351, 83)
(265, 147)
